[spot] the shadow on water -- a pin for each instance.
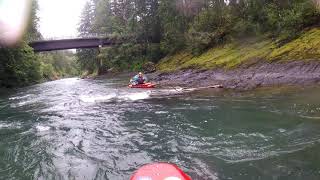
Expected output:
(100, 129)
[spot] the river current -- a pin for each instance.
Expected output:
(100, 129)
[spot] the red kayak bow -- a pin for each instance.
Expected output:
(145, 85)
(160, 171)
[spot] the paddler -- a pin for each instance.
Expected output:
(138, 79)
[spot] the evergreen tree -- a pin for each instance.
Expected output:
(19, 66)
(87, 57)
(155, 28)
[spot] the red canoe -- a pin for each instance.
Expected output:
(145, 85)
(160, 171)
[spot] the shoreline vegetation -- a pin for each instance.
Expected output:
(247, 64)
(241, 44)
(244, 65)
(20, 66)
(248, 51)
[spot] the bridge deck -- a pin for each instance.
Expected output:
(51, 45)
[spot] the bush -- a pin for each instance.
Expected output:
(208, 28)
(154, 53)
(243, 28)
(48, 72)
(59, 64)
(172, 42)
(288, 22)
(19, 66)
(198, 42)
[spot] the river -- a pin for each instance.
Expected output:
(100, 129)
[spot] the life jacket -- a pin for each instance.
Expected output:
(139, 80)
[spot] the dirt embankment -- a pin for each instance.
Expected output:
(245, 77)
(247, 64)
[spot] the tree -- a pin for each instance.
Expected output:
(87, 57)
(19, 66)
(33, 23)
(160, 27)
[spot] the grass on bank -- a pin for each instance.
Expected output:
(231, 55)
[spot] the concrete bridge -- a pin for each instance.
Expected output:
(78, 43)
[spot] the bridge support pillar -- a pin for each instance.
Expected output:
(101, 69)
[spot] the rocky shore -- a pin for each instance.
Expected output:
(244, 77)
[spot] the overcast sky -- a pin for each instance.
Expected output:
(59, 18)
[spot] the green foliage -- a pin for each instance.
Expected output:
(19, 66)
(87, 59)
(305, 47)
(154, 53)
(173, 27)
(243, 28)
(124, 57)
(226, 56)
(33, 23)
(172, 42)
(60, 64)
(288, 22)
(103, 22)
(159, 28)
(48, 72)
(208, 28)
(198, 42)
(249, 51)
(86, 26)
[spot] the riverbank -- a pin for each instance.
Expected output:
(251, 63)
(245, 77)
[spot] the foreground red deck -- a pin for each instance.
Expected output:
(160, 171)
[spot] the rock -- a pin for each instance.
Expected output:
(246, 78)
(149, 67)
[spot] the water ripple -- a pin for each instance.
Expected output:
(98, 129)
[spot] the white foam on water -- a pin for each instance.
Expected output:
(87, 99)
(114, 96)
(282, 130)
(10, 125)
(136, 96)
(19, 97)
(42, 128)
(98, 98)
(4, 126)
(161, 112)
(23, 103)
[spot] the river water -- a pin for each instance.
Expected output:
(100, 129)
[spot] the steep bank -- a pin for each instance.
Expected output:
(247, 64)
(244, 77)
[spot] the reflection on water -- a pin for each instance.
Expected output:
(100, 129)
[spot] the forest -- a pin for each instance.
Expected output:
(166, 27)
(20, 66)
(154, 29)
